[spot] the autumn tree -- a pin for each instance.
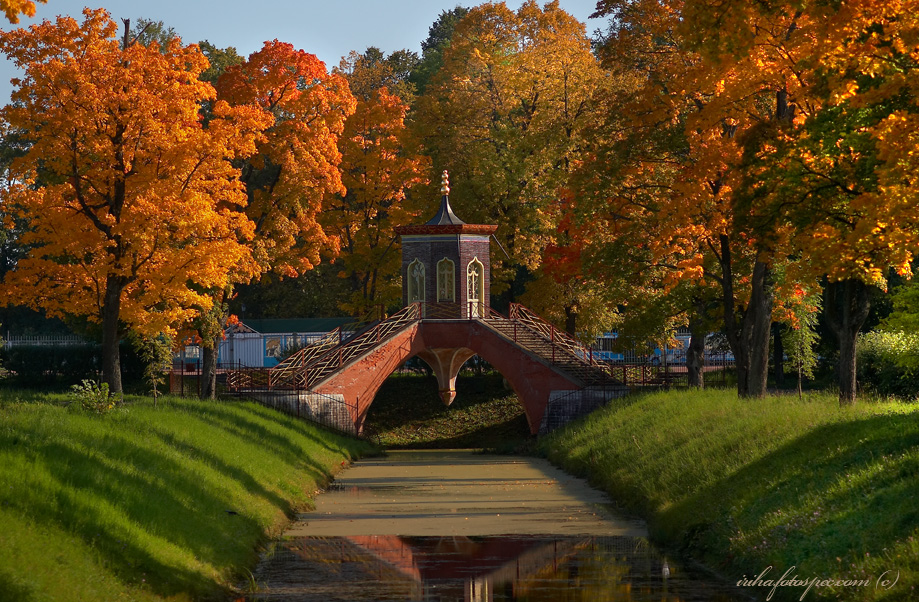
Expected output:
(837, 170)
(672, 158)
(504, 114)
(563, 290)
(643, 252)
(380, 165)
(294, 167)
(138, 207)
(14, 8)
(433, 47)
(787, 110)
(372, 70)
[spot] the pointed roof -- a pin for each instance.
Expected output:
(445, 217)
(446, 222)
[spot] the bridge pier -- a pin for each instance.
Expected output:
(446, 364)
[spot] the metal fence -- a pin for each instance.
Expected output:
(45, 340)
(244, 382)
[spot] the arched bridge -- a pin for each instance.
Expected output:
(336, 379)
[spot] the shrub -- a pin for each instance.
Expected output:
(94, 396)
(888, 363)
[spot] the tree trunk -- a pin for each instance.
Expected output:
(209, 370)
(111, 358)
(757, 323)
(695, 354)
(748, 334)
(846, 308)
(778, 355)
(571, 320)
(732, 329)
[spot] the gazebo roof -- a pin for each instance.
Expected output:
(446, 222)
(445, 217)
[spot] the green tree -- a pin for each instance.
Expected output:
(433, 47)
(505, 115)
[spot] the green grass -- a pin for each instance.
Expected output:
(408, 414)
(147, 503)
(745, 484)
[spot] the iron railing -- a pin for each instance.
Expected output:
(566, 407)
(358, 345)
(558, 338)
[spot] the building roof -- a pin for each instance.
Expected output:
(445, 217)
(296, 325)
(445, 222)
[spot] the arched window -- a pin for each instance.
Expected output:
(475, 288)
(415, 277)
(446, 281)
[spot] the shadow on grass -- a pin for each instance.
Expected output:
(278, 445)
(12, 589)
(841, 487)
(105, 503)
(153, 505)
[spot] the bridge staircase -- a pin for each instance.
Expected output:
(312, 365)
(555, 347)
(290, 386)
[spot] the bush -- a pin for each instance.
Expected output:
(888, 363)
(93, 396)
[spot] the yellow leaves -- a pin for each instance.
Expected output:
(850, 89)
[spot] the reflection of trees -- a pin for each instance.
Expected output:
(592, 574)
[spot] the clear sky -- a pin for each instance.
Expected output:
(328, 28)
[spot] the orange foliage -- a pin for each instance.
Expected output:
(132, 202)
(14, 8)
(297, 160)
(380, 162)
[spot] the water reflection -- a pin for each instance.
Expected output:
(478, 569)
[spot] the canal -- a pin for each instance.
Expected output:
(458, 526)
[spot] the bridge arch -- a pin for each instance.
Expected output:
(447, 345)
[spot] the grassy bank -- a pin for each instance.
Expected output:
(147, 503)
(744, 485)
(408, 414)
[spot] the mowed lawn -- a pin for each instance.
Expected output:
(748, 484)
(149, 503)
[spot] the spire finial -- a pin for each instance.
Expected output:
(445, 184)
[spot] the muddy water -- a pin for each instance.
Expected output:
(439, 526)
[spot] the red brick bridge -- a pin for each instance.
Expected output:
(335, 380)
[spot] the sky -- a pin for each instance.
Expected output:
(328, 28)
